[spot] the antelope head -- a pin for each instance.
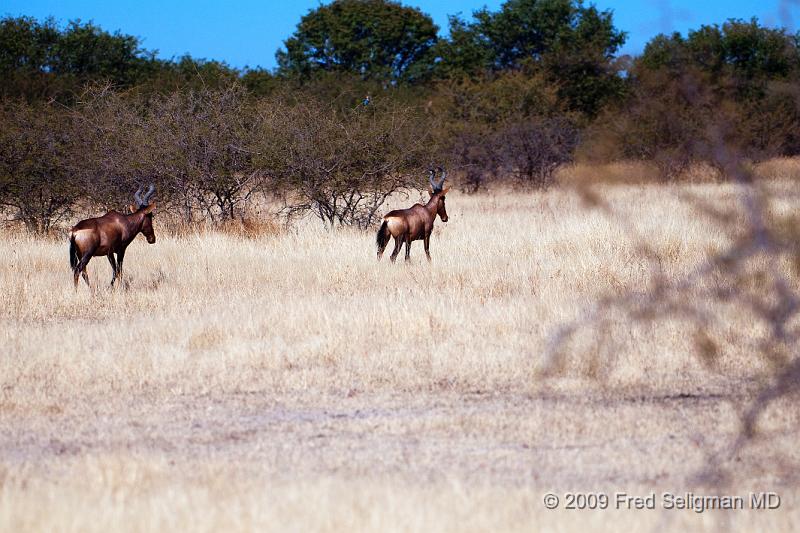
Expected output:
(142, 203)
(436, 185)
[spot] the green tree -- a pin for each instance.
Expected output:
(573, 45)
(259, 81)
(732, 86)
(26, 44)
(531, 29)
(39, 60)
(378, 39)
(463, 54)
(88, 52)
(742, 49)
(26, 48)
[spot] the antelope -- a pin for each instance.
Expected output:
(109, 234)
(414, 223)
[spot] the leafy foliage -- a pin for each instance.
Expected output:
(87, 115)
(572, 45)
(377, 39)
(737, 48)
(40, 60)
(734, 84)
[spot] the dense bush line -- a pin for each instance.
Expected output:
(209, 152)
(365, 97)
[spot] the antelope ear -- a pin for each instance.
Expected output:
(445, 191)
(132, 207)
(430, 189)
(149, 208)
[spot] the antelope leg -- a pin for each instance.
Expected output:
(397, 245)
(113, 267)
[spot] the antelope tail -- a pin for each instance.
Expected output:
(382, 238)
(73, 253)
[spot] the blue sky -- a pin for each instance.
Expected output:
(248, 32)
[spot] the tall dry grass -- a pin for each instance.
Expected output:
(288, 381)
(312, 309)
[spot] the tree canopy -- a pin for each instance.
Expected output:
(573, 45)
(41, 60)
(33, 50)
(745, 49)
(512, 93)
(377, 39)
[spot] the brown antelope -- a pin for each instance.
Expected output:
(414, 223)
(110, 234)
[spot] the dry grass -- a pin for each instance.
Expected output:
(642, 172)
(284, 380)
(782, 168)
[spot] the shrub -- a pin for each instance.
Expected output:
(341, 165)
(37, 163)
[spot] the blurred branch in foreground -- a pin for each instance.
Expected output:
(753, 276)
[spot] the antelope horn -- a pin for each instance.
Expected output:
(149, 194)
(137, 196)
(441, 180)
(431, 175)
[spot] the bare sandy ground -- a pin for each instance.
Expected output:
(498, 439)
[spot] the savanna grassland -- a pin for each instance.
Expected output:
(287, 381)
